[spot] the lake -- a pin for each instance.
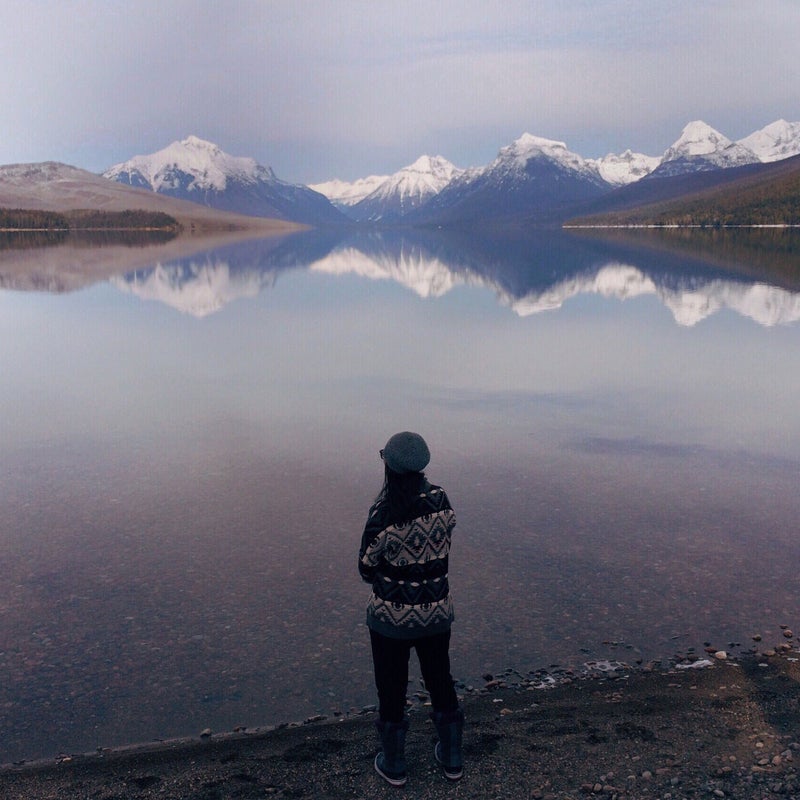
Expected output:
(190, 446)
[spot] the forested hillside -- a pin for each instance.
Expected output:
(20, 219)
(768, 198)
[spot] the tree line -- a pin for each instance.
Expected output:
(15, 219)
(18, 219)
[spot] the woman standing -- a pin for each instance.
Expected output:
(404, 555)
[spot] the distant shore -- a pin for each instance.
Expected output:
(648, 226)
(717, 728)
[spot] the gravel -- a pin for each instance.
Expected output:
(728, 729)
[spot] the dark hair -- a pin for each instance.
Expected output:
(398, 492)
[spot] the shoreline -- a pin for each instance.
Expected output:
(705, 726)
(509, 679)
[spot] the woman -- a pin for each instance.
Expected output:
(404, 555)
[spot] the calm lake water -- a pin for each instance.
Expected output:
(189, 451)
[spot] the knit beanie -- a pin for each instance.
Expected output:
(406, 452)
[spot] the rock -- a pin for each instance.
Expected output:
(788, 634)
(205, 733)
(721, 655)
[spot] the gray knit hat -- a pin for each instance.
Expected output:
(406, 452)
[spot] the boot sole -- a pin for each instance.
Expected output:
(387, 778)
(450, 774)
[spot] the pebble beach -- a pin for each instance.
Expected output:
(709, 725)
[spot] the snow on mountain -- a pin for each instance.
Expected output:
(406, 190)
(197, 170)
(620, 170)
(532, 176)
(517, 156)
(779, 140)
(702, 148)
(193, 164)
(426, 176)
(343, 194)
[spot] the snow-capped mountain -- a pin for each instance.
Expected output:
(344, 194)
(406, 190)
(532, 176)
(197, 170)
(628, 167)
(779, 140)
(701, 148)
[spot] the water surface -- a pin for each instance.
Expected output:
(189, 451)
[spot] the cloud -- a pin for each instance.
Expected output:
(311, 86)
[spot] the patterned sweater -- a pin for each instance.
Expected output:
(407, 566)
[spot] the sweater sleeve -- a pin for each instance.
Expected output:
(370, 552)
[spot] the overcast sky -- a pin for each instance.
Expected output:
(319, 89)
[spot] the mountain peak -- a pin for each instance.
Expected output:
(434, 171)
(700, 148)
(198, 170)
(628, 167)
(348, 193)
(776, 141)
(200, 164)
(407, 189)
(195, 141)
(528, 146)
(699, 138)
(429, 164)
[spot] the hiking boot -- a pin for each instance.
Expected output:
(450, 727)
(390, 764)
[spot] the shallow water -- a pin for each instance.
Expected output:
(189, 452)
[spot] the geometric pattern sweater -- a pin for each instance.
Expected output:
(407, 564)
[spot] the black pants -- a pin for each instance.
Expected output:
(390, 658)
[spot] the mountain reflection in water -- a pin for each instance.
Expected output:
(529, 274)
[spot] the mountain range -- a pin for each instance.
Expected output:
(532, 181)
(542, 179)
